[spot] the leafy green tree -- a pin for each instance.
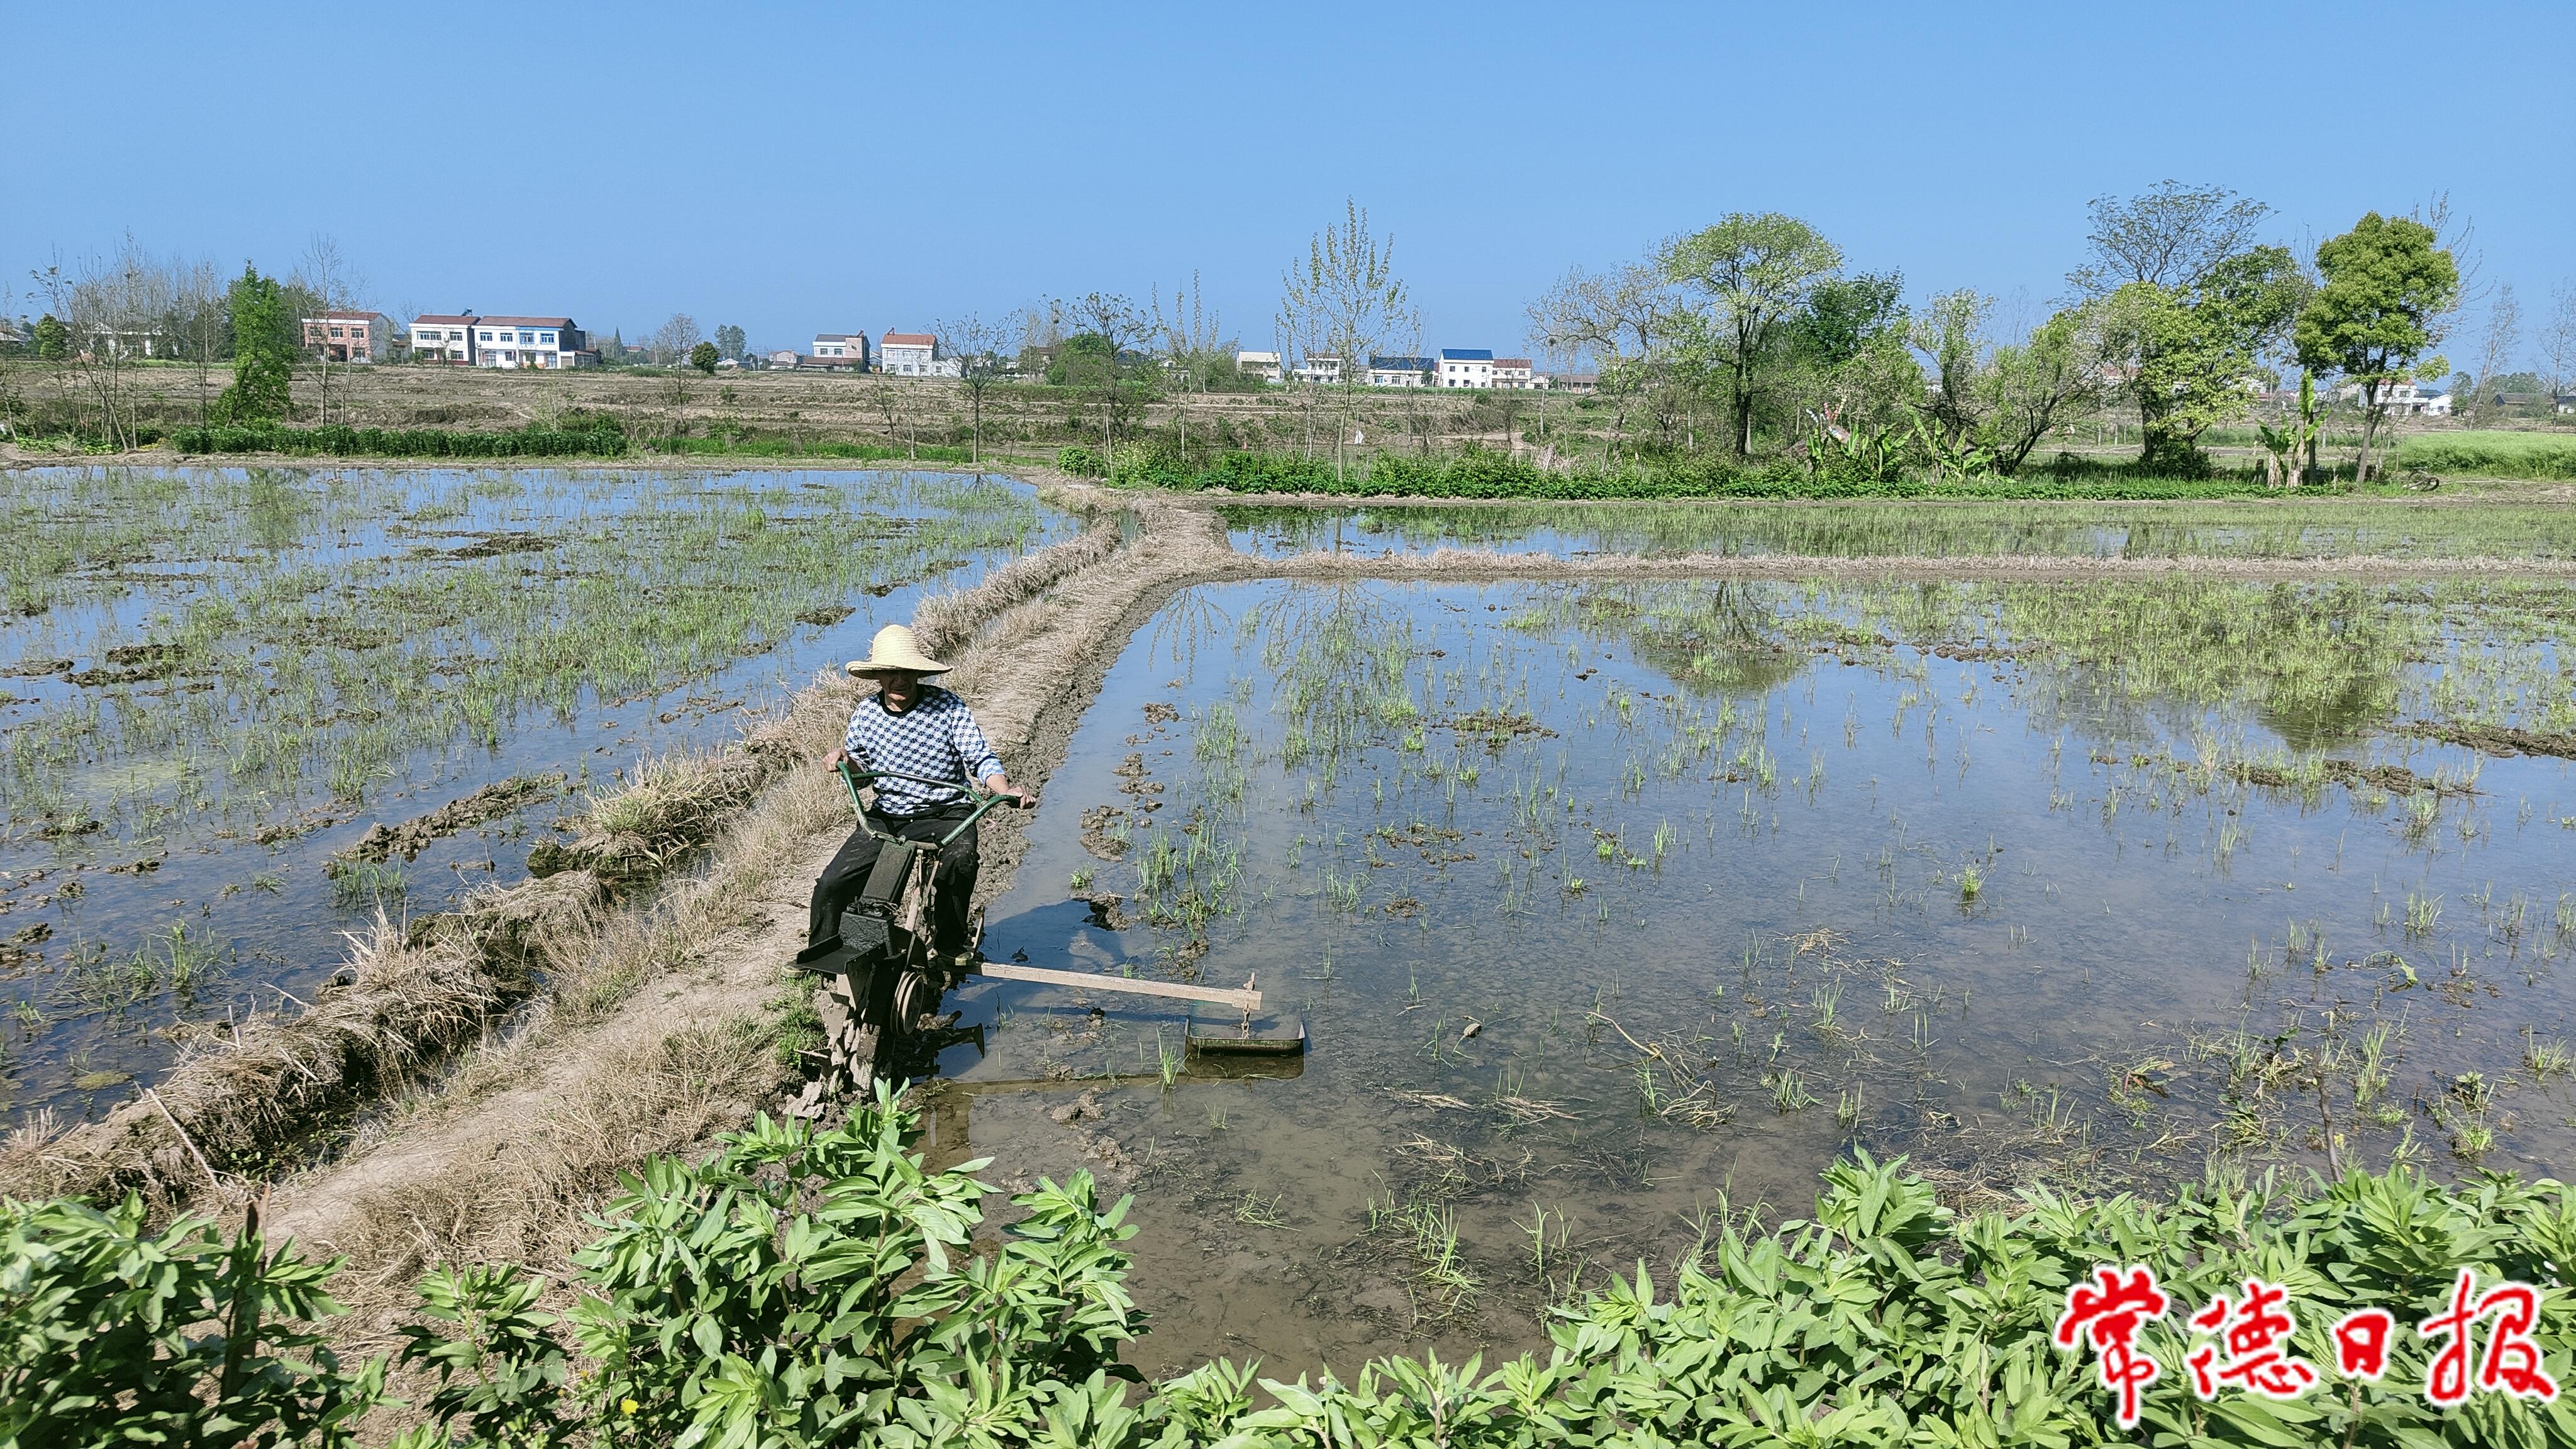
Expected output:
(704, 358)
(730, 341)
(1750, 274)
(265, 342)
(1346, 295)
(2191, 304)
(2188, 352)
(2388, 283)
(52, 340)
(2001, 399)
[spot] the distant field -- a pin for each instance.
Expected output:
(2492, 454)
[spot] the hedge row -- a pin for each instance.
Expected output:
(347, 442)
(2493, 454)
(1482, 475)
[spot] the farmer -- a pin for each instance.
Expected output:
(914, 728)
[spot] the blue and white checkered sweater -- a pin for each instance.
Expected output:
(937, 738)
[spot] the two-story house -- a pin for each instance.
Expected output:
(1322, 369)
(1466, 367)
(842, 350)
(1399, 371)
(913, 354)
(1515, 373)
(443, 337)
(349, 336)
(546, 343)
(1263, 365)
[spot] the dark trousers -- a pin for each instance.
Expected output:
(847, 875)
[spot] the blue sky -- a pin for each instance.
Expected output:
(795, 168)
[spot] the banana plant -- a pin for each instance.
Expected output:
(1951, 459)
(2290, 451)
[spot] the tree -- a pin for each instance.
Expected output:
(977, 345)
(1749, 273)
(2558, 339)
(321, 283)
(2174, 236)
(2190, 305)
(51, 339)
(1110, 317)
(1196, 352)
(264, 346)
(2000, 400)
(1617, 320)
(2388, 287)
(704, 358)
(730, 342)
(1345, 294)
(2495, 351)
(670, 343)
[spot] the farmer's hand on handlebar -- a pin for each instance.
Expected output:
(1018, 795)
(838, 759)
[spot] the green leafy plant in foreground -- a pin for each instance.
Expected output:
(805, 1287)
(111, 1333)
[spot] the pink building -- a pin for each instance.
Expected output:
(349, 336)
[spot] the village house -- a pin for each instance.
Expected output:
(1515, 373)
(349, 336)
(1322, 370)
(1263, 365)
(2402, 399)
(1399, 372)
(838, 350)
(543, 343)
(913, 354)
(443, 337)
(1466, 367)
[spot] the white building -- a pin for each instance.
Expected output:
(1320, 369)
(2402, 399)
(1263, 365)
(847, 349)
(443, 337)
(913, 354)
(1466, 367)
(545, 343)
(1399, 371)
(1514, 373)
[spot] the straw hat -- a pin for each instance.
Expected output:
(893, 649)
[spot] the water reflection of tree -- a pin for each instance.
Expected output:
(1725, 637)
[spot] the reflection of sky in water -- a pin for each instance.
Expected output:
(1798, 788)
(269, 907)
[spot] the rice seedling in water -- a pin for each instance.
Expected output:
(1971, 881)
(2422, 914)
(1788, 1091)
(2546, 1059)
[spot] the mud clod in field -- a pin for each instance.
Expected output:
(382, 842)
(2499, 739)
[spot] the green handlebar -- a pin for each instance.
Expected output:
(852, 777)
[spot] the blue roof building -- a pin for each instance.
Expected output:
(1466, 367)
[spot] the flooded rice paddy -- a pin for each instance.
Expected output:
(2274, 529)
(1616, 909)
(212, 682)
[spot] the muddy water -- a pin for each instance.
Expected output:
(117, 835)
(1613, 909)
(2265, 529)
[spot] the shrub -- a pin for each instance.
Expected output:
(599, 438)
(1080, 461)
(113, 1334)
(806, 1287)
